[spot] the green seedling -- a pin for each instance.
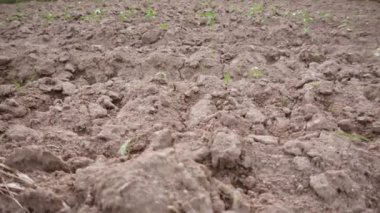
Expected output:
(66, 14)
(256, 72)
(126, 15)
(257, 12)
(164, 26)
(161, 76)
(150, 13)
(48, 17)
(210, 16)
(257, 9)
(283, 101)
(95, 15)
(306, 18)
(125, 149)
(227, 78)
(303, 15)
(314, 84)
(306, 30)
(353, 137)
(18, 83)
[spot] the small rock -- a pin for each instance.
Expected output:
(30, 158)
(293, 147)
(22, 133)
(312, 54)
(364, 119)
(4, 60)
(113, 95)
(255, 115)
(151, 36)
(68, 88)
(162, 139)
(7, 89)
(12, 107)
(200, 111)
(249, 182)
(40, 200)
(327, 185)
(106, 102)
(265, 139)
(97, 111)
(225, 150)
(229, 120)
(326, 88)
(50, 84)
(322, 187)
(69, 67)
(376, 127)
(346, 125)
(64, 57)
(302, 163)
(47, 68)
(3, 126)
(320, 122)
(79, 162)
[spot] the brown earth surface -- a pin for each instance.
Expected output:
(190, 106)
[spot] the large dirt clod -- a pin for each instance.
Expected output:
(154, 182)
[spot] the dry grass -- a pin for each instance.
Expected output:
(13, 182)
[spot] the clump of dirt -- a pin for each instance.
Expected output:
(189, 106)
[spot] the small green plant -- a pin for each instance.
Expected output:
(306, 18)
(125, 149)
(353, 137)
(16, 17)
(325, 16)
(314, 84)
(95, 15)
(283, 101)
(48, 17)
(164, 26)
(150, 13)
(256, 72)
(210, 16)
(126, 15)
(66, 14)
(227, 78)
(256, 10)
(18, 83)
(161, 76)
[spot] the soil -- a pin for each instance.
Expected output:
(190, 106)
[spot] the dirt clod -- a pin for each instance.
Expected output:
(35, 158)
